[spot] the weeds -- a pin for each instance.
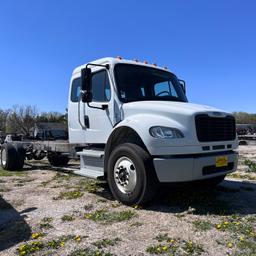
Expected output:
(242, 232)
(5, 173)
(35, 246)
(251, 165)
(106, 242)
(66, 218)
(202, 225)
(45, 223)
(242, 176)
(173, 246)
(109, 217)
(89, 252)
(74, 194)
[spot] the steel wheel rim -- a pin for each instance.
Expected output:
(3, 157)
(125, 175)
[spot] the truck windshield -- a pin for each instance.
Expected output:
(137, 83)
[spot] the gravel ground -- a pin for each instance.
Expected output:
(47, 212)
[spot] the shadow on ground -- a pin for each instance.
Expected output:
(13, 227)
(230, 197)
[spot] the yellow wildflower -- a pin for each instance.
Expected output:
(164, 248)
(229, 245)
(241, 238)
(218, 226)
(36, 235)
(62, 243)
(226, 222)
(78, 238)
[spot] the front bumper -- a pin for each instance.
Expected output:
(192, 167)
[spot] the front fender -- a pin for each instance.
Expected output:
(141, 123)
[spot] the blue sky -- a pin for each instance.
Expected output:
(210, 44)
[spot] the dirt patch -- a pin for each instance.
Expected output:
(48, 212)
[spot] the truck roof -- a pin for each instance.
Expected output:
(113, 61)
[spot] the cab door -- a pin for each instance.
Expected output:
(100, 121)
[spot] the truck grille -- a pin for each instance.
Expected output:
(215, 128)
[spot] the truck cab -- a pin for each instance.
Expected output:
(139, 130)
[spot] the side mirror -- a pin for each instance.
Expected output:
(86, 84)
(183, 85)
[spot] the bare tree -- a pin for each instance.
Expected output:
(21, 119)
(3, 118)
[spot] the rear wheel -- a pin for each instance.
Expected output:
(131, 176)
(8, 157)
(58, 160)
(20, 156)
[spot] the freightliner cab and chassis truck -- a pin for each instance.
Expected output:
(131, 124)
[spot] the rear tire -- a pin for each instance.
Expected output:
(20, 156)
(58, 160)
(8, 157)
(131, 175)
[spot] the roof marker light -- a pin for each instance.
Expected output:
(165, 67)
(154, 64)
(136, 60)
(145, 62)
(119, 57)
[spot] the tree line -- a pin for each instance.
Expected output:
(20, 119)
(245, 118)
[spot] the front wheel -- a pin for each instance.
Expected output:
(131, 175)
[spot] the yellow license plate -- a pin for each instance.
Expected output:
(221, 161)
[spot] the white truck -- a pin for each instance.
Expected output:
(130, 123)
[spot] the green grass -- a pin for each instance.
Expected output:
(242, 234)
(174, 246)
(202, 225)
(5, 173)
(66, 218)
(33, 247)
(89, 252)
(68, 195)
(242, 176)
(45, 223)
(251, 165)
(106, 242)
(108, 217)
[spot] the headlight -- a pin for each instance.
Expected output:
(162, 132)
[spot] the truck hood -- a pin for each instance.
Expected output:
(167, 107)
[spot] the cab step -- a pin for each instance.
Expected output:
(91, 163)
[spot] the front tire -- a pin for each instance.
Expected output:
(131, 175)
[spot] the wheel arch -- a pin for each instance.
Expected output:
(122, 134)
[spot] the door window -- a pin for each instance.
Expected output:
(101, 87)
(75, 89)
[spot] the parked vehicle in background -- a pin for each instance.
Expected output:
(131, 124)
